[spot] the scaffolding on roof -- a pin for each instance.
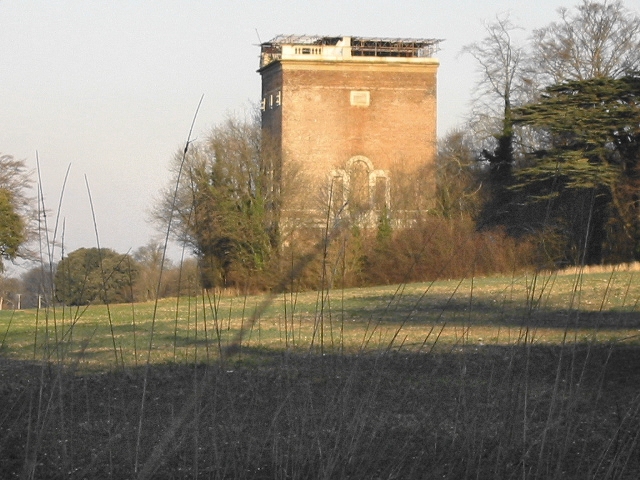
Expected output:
(394, 47)
(358, 46)
(303, 40)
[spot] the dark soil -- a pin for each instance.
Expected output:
(517, 412)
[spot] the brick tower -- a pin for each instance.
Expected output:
(353, 121)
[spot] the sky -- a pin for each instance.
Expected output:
(107, 90)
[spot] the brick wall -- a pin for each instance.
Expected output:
(320, 129)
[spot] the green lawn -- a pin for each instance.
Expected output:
(440, 316)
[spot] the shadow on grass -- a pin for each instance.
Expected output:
(413, 309)
(524, 411)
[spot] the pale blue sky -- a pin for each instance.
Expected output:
(110, 87)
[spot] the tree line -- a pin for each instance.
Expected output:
(92, 275)
(555, 134)
(545, 172)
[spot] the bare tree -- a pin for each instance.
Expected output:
(10, 290)
(150, 264)
(38, 286)
(457, 177)
(501, 85)
(592, 40)
(500, 61)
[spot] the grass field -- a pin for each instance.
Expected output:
(534, 376)
(443, 315)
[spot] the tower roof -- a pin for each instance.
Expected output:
(341, 47)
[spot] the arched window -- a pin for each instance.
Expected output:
(359, 198)
(360, 188)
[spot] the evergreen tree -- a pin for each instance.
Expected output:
(12, 229)
(15, 208)
(588, 171)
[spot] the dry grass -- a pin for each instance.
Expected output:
(588, 269)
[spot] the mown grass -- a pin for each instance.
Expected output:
(548, 309)
(534, 376)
